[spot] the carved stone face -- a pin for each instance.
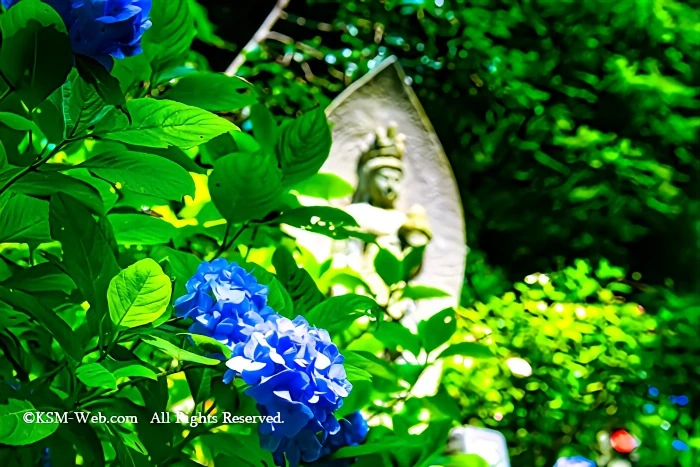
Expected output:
(384, 187)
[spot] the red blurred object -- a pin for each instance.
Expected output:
(622, 441)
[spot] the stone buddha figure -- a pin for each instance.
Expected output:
(380, 180)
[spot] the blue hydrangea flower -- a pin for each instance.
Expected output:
(225, 301)
(103, 29)
(575, 461)
(353, 431)
(292, 367)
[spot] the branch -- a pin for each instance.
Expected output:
(38, 163)
(260, 35)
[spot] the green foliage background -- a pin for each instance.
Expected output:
(572, 128)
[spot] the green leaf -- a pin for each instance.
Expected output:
(325, 220)
(301, 287)
(215, 92)
(45, 184)
(355, 374)
(97, 76)
(139, 294)
(395, 335)
(160, 123)
(132, 72)
(466, 460)
(130, 369)
(48, 318)
(264, 127)
(245, 186)
(385, 445)
(467, 349)
(422, 292)
(24, 219)
(388, 266)
(44, 277)
(18, 123)
(94, 375)
(140, 229)
(303, 146)
(325, 186)
(178, 353)
(14, 431)
(36, 54)
(412, 262)
(87, 255)
(210, 344)
(182, 264)
(171, 35)
(134, 172)
(82, 107)
(200, 383)
(337, 313)
(438, 329)
(205, 28)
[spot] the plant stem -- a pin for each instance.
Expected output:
(226, 245)
(43, 160)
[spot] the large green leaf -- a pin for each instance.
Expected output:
(245, 186)
(423, 292)
(131, 369)
(301, 287)
(465, 460)
(135, 172)
(212, 91)
(94, 375)
(161, 123)
(23, 219)
(182, 265)
(172, 33)
(97, 76)
(139, 294)
(178, 353)
(18, 123)
(15, 431)
(45, 184)
(140, 229)
(388, 267)
(438, 329)
(48, 318)
(210, 344)
(265, 127)
(467, 349)
(87, 254)
(324, 220)
(395, 335)
(325, 186)
(36, 54)
(303, 146)
(81, 105)
(337, 313)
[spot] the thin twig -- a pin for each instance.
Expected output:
(259, 36)
(226, 245)
(14, 179)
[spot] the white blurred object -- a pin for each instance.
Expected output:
(488, 444)
(519, 367)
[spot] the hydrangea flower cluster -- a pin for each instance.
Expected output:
(292, 367)
(353, 431)
(103, 29)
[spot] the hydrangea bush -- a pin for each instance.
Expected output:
(145, 277)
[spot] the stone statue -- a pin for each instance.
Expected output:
(380, 177)
(406, 194)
